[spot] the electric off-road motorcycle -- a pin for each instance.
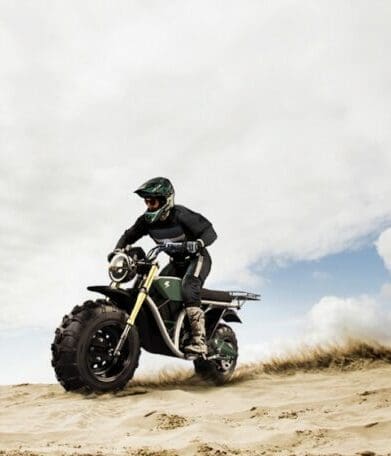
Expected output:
(97, 346)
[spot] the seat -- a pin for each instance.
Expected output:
(215, 295)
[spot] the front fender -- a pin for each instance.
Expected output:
(124, 299)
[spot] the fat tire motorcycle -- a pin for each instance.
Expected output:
(97, 346)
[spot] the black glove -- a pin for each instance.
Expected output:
(177, 247)
(111, 254)
(193, 246)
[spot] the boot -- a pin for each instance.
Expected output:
(196, 318)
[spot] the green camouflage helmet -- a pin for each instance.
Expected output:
(162, 189)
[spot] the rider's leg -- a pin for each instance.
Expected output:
(196, 317)
(192, 282)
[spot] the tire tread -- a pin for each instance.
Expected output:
(64, 346)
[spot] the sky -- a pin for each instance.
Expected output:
(270, 118)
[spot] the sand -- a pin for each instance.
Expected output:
(321, 412)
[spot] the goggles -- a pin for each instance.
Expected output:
(152, 202)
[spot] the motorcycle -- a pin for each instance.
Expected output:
(97, 346)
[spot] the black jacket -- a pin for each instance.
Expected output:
(182, 224)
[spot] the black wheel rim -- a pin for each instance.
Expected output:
(100, 353)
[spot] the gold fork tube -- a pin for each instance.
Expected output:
(142, 294)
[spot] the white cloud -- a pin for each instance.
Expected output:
(383, 246)
(272, 120)
(335, 320)
(385, 291)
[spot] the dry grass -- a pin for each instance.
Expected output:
(352, 355)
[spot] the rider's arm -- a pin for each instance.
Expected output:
(133, 234)
(197, 225)
(208, 236)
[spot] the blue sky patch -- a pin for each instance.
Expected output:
(302, 284)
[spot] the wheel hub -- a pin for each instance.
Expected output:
(101, 353)
(224, 354)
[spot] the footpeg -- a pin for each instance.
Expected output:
(194, 356)
(191, 356)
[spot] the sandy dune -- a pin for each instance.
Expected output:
(332, 411)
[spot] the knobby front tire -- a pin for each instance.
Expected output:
(83, 346)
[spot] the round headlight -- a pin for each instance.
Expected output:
(121, 268)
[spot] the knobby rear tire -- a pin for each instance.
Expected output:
(75, 338)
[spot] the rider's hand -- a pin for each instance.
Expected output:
(193, 246)
(177, 247)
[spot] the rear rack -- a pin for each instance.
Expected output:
(228, 299)
(244, 296)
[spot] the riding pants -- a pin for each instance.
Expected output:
(193, 272)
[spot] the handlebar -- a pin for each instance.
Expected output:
(167, 246)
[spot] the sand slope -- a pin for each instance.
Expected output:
(325, 412)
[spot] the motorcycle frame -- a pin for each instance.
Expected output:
(142, 307)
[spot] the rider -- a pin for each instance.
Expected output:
(167, 222)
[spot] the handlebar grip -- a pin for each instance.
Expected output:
(173, 247)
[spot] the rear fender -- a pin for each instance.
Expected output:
(231, 315)
(124, 299)
(215, 315)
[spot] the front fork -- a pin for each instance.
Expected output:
(143, 291)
